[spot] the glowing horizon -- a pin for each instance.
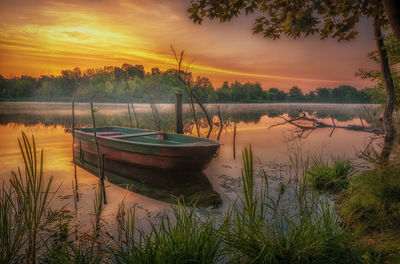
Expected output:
(45, 37)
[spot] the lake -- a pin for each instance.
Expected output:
(278, 150)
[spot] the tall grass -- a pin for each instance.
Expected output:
(25, 210)
(261, 227)
(331, 176)
(373, 203)
(311, 233)
(184, 238)
(12, 227)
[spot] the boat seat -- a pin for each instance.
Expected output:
(108, 133)
(161, 135)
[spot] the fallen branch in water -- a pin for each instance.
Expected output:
(305, 123)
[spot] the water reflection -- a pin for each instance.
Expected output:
(160, 185)
(221, 180)
(117, 114)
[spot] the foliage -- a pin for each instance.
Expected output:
(295, 19)
(373, 200)
(114, 84)
(332, 177)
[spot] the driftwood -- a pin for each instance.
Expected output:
(309, 123)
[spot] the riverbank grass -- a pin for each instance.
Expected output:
(261, 227)
(333, 176)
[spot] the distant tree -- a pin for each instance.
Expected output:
(23, 87)
(276, 95)
(119, 75)
(133, 71)
(114, 84)
(70, 81)
(310, 97)
(203, 88)
(295, 94)
(155, 71)
(323, 95)
(255, 92)
(224, 93)
(328, 18)
(239, 92)
(3, 87)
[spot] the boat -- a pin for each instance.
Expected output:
(148, 148)
(191, 186)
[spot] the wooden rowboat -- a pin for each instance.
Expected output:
(148, 148)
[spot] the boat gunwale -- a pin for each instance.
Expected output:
(206, 143)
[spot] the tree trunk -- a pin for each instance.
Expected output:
(392, 10)
(388, 127)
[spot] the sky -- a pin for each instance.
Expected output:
(43, 37)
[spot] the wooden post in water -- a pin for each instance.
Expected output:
(221, 124)
(130, 117)
(73, 150)
(234, 141)
(178, 113)
(102, 187)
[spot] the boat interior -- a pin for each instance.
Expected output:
(146, 136)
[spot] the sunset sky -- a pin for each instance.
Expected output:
(43, 37)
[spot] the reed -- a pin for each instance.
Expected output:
(371, 203)
(25, 208)
(263, 226)
(12, 237)
(260, 229)
(331, 176)
(183, 239)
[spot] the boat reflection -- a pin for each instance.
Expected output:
(160, 185)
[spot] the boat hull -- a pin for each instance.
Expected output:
(160, 185)
(184, 157)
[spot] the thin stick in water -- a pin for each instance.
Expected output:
(234, 141)
(221, 124)
(178, 114)
(130, 117)
(134, 113)
(73, 150)
(98, 156)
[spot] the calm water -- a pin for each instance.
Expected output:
(217, 185)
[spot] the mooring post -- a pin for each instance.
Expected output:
(178, 113)
(234, 141)
(73, 150)
(102, 187)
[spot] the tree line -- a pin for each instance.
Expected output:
(129, 82)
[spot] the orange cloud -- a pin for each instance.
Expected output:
(43, 37)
